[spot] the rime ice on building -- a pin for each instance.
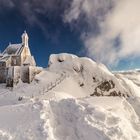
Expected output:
(16, 62)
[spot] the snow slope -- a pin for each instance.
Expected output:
(87, 119)
(73, 99)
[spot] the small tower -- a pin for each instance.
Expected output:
(25, 39)
(25, 44)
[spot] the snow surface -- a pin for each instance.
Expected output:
(60, 103)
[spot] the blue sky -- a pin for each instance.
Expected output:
(101, 30)
(57, 37)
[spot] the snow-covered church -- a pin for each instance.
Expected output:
(16, 62)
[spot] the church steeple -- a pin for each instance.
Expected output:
(25, 44)
(25, 39)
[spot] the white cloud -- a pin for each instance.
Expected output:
(125, 19)
(116, 20)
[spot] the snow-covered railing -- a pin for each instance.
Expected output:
(52, 85)
(4, 92)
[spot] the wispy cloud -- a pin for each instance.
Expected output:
(34, 12)
(118, 25)
(8, 4)
(31, 9)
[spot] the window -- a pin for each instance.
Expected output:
(14, 61)
(3, 64)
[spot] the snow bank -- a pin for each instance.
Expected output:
(71, 119)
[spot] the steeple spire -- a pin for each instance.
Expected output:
(25, 39)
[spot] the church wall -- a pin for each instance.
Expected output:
(3, 75)
(8, 62)
(10, 72)
(16, 74)
(32, 73)
(25, 53)
(23, 56)
(25, 74)
(9, 78)
(33, 61)
(13, 76)
(28, 73)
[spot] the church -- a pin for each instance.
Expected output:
(17, 63)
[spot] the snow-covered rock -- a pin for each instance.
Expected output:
(93, 77)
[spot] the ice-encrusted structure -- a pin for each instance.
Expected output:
(16, 62)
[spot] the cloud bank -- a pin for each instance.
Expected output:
(118, 28)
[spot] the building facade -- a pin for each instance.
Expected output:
(17, 63)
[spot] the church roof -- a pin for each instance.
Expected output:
(13, 49)
(4, 58)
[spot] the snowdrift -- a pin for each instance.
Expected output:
(88, 120)
(72, 99)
